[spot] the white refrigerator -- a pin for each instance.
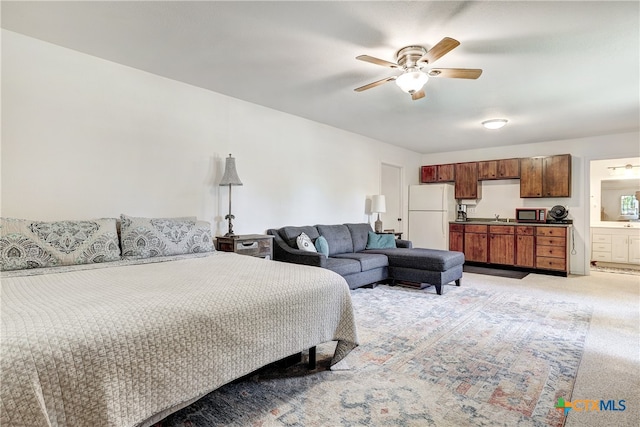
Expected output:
(431, 207)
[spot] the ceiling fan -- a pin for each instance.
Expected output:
(414, 62)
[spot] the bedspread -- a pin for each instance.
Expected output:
(127, 345)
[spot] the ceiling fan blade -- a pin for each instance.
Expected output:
(374, 84)
(377, 61)
(455, 73)
(444, 46)
(417, 95)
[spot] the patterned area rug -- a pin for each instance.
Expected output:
(469, 357)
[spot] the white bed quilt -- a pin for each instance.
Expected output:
(127, 345)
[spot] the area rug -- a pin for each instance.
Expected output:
(512, 274)
(467, 358)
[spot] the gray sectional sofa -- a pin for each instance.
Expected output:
(349, 256)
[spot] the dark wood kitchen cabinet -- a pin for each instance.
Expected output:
(437, 173)
(548, 176)
(456, 237)
(501, 244)
(525, 247)
(467, 185)
(475, 243)
(499, 169)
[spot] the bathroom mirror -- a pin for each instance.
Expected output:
(619, 199)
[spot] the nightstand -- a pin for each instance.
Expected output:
(258, 245)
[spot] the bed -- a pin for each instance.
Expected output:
(127, 342)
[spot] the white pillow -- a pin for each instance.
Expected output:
(304, 242)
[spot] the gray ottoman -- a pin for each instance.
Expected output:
(424, 266)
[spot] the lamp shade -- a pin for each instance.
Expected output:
(230, 176)
(378, 204)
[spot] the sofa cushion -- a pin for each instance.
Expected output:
(380, 241)
(422, 259)
(359, 233)
(367, 261)
(338, 238)
(322, 246)
(289, 234)
(343, 266)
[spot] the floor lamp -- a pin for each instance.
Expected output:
(378, 205)
(230, 178)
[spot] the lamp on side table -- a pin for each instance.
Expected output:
(378, 205)
(230, 177)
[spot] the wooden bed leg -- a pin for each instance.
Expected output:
(312, 358)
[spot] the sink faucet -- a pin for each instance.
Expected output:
(497, 217)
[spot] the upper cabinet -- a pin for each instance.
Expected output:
(548, 176)
(437, 173)
(467, 185)
(544, 176)
(499, 169)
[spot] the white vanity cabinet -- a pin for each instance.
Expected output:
(619, 245)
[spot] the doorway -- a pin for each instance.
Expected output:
(391, 188)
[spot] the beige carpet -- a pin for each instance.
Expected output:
(607, 370)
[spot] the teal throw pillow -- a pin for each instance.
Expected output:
(381, 241)
(322, 246)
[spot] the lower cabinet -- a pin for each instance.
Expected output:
(475, 243)
(456, 237)
(618, 245)
(551, 248)
(501, 244)
(536, 247)
(525, 247)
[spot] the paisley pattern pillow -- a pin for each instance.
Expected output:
(33, 244)
(152, 237)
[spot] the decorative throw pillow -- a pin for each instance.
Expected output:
(380, 241)
(151, 237)
(32, 244)
(305, 243)
(322, 246)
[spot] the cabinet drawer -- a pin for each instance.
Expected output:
(475, 228)
(601, 247)
(547, 263)
(456, 227)
(551, 241)
(253, 247)
(601, 256)
(551, 231)
(501, 229)
(602, 238)
(551, 251)
(526, 231)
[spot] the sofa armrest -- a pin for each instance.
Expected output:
(404, 243)
(283, 252)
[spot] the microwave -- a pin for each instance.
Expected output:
(531, 215)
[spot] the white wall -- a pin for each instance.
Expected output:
(503, 197)
(84, 137)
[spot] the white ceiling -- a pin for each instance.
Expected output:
(556, 70)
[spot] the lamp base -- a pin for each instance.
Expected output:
(378, 225)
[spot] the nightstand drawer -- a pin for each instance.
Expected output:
(261, 248)
(257, 245)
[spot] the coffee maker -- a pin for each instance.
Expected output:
(461, 213)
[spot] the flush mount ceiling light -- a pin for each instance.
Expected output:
(494, 123)
(412, 80)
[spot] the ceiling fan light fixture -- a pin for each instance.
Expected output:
(494, 123)
(411, 81)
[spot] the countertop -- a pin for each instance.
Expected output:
(506, 221)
